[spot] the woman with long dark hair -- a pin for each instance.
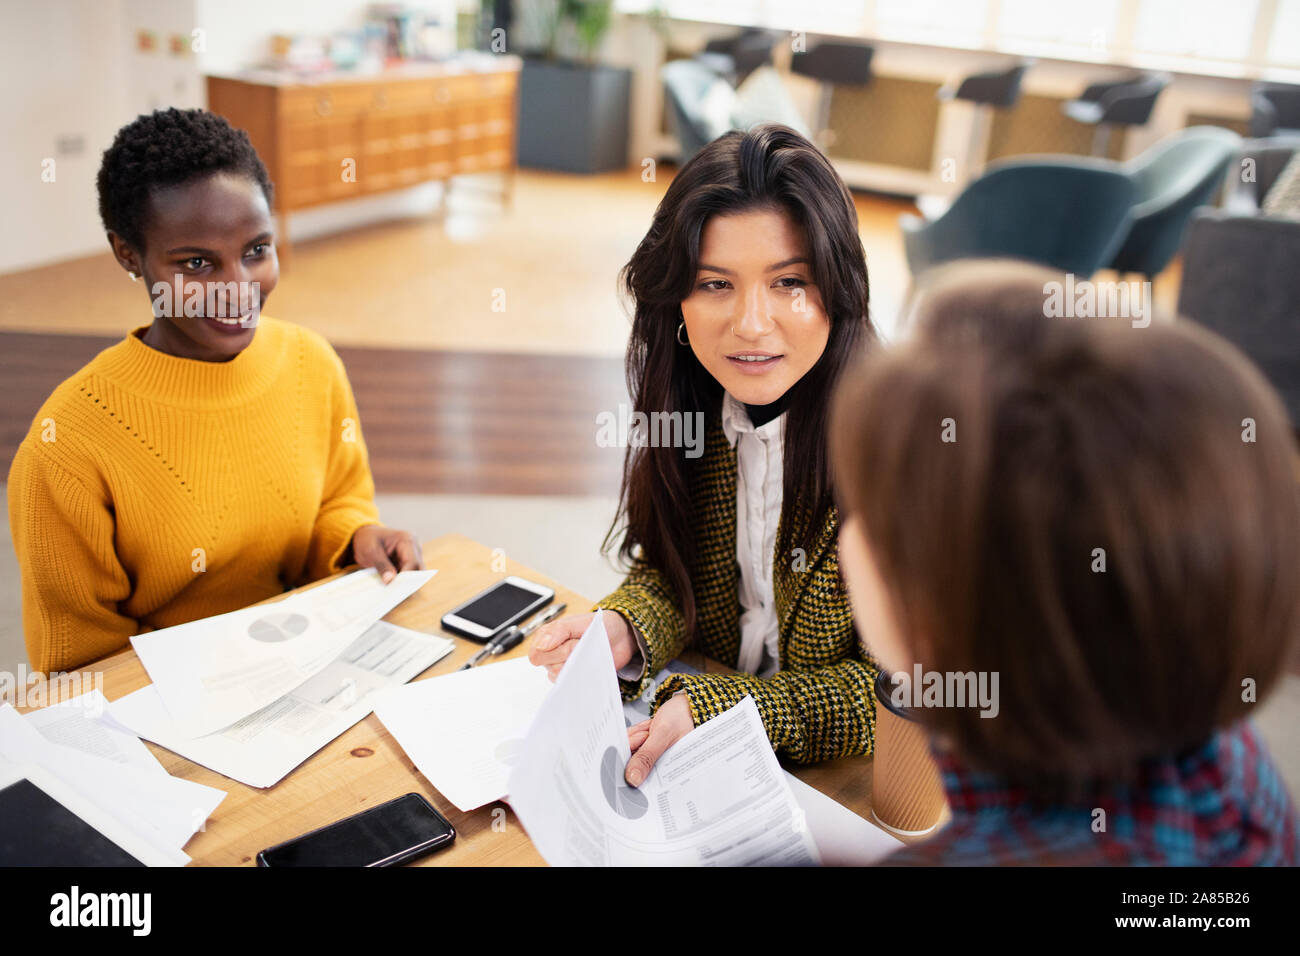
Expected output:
(750, 293)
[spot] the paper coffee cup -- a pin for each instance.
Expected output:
(906, 790)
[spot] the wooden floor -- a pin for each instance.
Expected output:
(434, 422)
(487, 423)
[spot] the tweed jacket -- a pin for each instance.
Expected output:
(821, 703)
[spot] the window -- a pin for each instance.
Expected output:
(836, 17)
(1200, 29)
(962, 20)
(1213, 31)
(1083, 26)
(1284, 39)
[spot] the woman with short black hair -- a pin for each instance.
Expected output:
(214, 457)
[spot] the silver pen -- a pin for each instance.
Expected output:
(512, 636)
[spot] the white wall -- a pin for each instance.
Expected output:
(238, 32)
(63, 75)
(72, 74)
(160, 78)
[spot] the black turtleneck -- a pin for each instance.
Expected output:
(760, 415)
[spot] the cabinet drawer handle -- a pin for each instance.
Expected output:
(381, 99)
(324, 107)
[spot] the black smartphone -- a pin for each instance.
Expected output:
(490, 612)
(390, 834)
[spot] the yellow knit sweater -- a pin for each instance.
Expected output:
(153, 490)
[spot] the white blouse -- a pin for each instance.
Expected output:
(760, 457)
(760, 462)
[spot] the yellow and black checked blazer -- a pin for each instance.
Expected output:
(821, 703)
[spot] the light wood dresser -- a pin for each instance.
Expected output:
(342, 137)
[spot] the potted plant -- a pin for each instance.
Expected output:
(573, 111)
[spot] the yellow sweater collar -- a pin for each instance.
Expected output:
(155, 375)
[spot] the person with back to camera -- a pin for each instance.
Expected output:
(1113, 532)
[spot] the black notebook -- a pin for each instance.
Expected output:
(37, 830)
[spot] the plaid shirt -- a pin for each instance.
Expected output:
(1222, 803)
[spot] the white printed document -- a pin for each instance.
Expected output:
(78, 723)
(164, 811)
(843, 837)
(717, 797)
(464, 730)
(262, 748)
(215, 671)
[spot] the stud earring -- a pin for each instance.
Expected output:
(133, 276)
(680, 329)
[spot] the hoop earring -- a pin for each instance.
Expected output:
(680, 329)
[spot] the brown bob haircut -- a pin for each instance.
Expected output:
(1073, 435)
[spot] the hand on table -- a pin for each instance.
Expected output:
(387, 550)
(553, 643)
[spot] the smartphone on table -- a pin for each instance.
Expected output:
(390, 834)
(490, 612)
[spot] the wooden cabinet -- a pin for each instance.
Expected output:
(337, 139)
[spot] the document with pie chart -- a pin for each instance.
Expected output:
(717, 797)
(215, 671)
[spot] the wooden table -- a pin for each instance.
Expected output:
(366, 766)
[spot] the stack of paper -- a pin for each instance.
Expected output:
(717, 797)
(262, 748)
(217, 670)
(843, 838)
(320, 652)
(468, 732)
(111, 771)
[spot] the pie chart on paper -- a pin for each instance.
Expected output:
(627, 802)
(275, 628)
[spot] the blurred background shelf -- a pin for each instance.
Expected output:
(344, 138)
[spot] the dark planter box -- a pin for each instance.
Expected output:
(573, 117)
